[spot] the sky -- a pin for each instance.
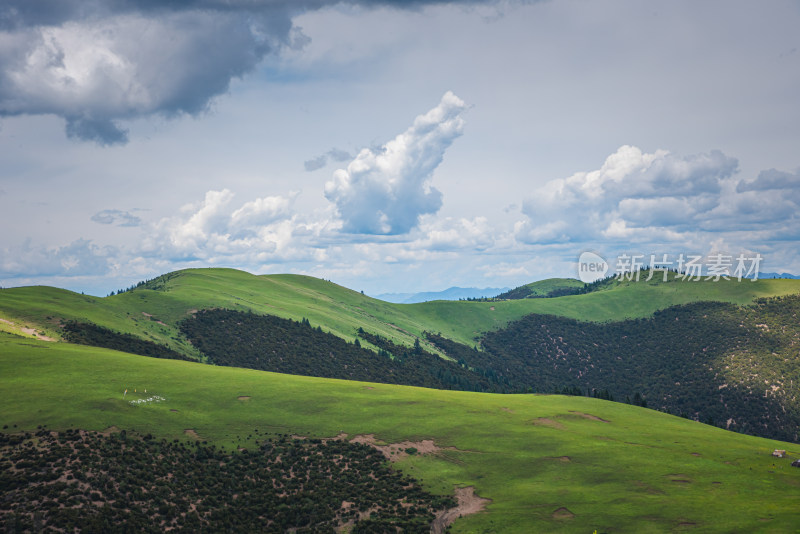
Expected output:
(393, 146)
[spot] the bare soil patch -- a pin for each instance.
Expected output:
(244, 398)
(192, 433)
(110, 430)
(37, 335)
(29, 331)
(397, 451)
(589, 416)
(368, 387)
(545, 421)
(564, 459)
(563, 513)
(468, 503)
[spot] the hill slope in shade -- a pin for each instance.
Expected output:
(548, 463)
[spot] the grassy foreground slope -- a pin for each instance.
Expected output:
(153, 314)
(548, 463)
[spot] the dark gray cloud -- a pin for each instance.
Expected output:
(339, 155)
(98, 62)
(117, 218)
(771, 179)
(15, 14)
(96, 72)
(334, 154)
(315, 163)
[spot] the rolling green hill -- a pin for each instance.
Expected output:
(552, 287)
(548, 463)
(154, 310)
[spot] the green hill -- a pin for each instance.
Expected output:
(154, 310)
(548, 463)
(552, 287)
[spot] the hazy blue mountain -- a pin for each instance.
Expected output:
(779, 275)
(453, 293)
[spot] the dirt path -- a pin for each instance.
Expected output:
(29, 331)
(468, 503)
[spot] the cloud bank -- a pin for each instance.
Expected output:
(386, 191)
(632, 192)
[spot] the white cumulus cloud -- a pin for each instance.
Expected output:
(215, 230)
(633, 191)
(386, 191)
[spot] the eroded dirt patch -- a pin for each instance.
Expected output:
(564, 459)
(397, 451)
(563, 513)
(37, 335)
(468, 503)
(244, 398)
(28, 331)
(589, 416)
(546, 421)
(192, 433)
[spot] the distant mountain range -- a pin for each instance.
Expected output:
(453, 293)
(779, 275)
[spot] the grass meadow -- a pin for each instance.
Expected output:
(548, 463)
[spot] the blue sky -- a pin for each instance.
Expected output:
(392, 146)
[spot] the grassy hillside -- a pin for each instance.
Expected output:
(543, 288)
(153, 314)
(548, 463)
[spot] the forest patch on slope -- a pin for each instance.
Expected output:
(270, 343)
(93, 482)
